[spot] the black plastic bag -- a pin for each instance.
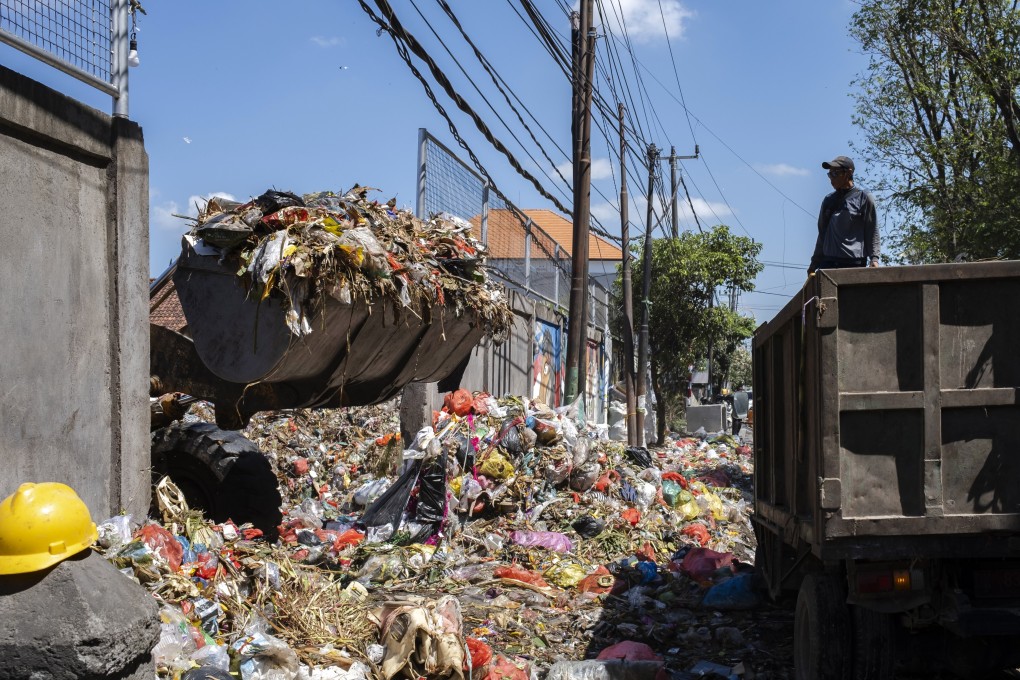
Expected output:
(272, 200)
(432, 492)
(465, 452)
(225, 230)
(511, 437)
(389, 507)
(640, 455)
(588, 526)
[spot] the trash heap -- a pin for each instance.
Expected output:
(505, 541)
(348, 247)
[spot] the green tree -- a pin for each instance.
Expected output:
(739, 372)
(683, 316)
(940, 114)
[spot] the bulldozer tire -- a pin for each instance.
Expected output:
(221, 472)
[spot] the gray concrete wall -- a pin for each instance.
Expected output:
(74, 271)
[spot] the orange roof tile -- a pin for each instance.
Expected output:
(506, 236)
(168, 313)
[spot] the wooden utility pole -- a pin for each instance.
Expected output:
(646, 291)
(628, 296)
(577, 323)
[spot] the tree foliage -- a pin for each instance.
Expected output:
(940, 113)
(683, 317)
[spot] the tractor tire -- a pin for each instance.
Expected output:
(220, 472)
(821, 630)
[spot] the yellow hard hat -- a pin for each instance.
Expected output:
(42, 524)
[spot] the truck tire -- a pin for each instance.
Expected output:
(821, 638)
(221, 472)
(873, 644)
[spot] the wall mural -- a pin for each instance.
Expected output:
(547, 368)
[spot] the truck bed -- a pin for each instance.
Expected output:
(887, 420)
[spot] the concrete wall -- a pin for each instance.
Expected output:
(74, 342)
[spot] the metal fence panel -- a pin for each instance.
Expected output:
(86, 39)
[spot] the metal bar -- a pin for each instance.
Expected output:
(880, 401)
(120, 20)
(59, 64)
(419, 204)
(527, 254)
(931, 472)
(485, 213)
(988, 396)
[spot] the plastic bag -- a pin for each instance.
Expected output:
(264, 657)
(212, 656)
(701, 563)
(389, 507)
(364, 251)
(594, 669)
(115, 532)
(432, 492)
(272, 200)
(565, 574)
(495, 466)
(640, 455)
(162, 543)
(522, 575)
(584, 477)
(588, 526)
(459, 402)
(732, 594)
(550, 540)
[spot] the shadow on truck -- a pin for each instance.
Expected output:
(887, 469)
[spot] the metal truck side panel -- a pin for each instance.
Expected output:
(886, 407)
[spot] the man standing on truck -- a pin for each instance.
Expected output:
(847, 222)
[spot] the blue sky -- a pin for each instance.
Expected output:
(235, 97)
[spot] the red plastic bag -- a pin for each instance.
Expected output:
(701, 563)
(522, 575)
(348, 538)
(459, 402)
(206, 566)
(716, 478)
(697, 531)
(505, 669)
(632, 515)
(480, 654)
(163, 543)
(675, 477)
(478, 405)
(599, 581)
(628, 650)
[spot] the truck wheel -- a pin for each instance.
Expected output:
(220, 472)
(821, 630)
(874, 646)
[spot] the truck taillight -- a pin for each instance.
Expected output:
(887, 580)
(874, 581)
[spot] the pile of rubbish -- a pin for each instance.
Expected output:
(348, 247)
(506, 541)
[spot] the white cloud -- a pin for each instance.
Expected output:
(644, 22)
(601, 168)
(708, 213)
(781, 170)
(162, 215)
(331, 41)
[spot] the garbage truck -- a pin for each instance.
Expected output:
(247, 348)
(887, 469)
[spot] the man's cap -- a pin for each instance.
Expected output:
(839, 162)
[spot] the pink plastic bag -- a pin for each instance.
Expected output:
(701, 563)
(545, 539)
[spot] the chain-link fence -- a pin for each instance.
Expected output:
(87, 39)
(522, 254)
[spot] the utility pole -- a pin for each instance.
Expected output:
(628, 296)
(673, 158)
(672, 184)
(646, 291)
(577, 325)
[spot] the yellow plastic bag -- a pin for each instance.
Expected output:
(709, 500)
(496, 466)
(565, 574)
